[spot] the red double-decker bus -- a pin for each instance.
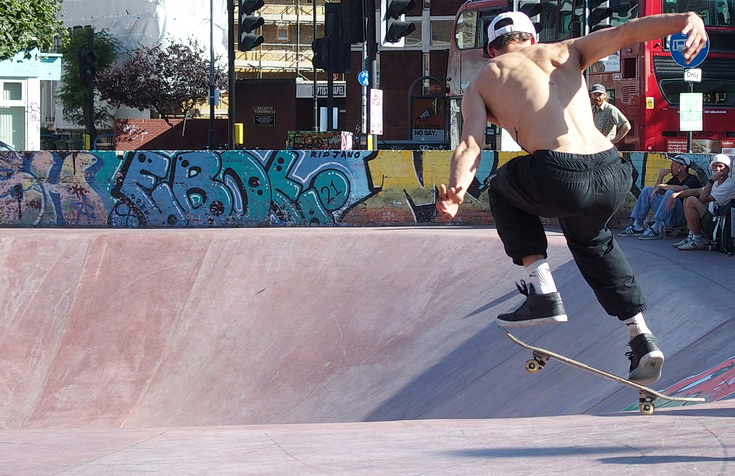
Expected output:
(642, 79)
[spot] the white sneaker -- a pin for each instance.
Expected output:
(631, 231)
(682, 242)
(652, 233)
(693, 245)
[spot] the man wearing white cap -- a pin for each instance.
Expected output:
(539, 95)
(657, 199)
(699, 203)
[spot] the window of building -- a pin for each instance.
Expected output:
(12, 91)
(414, 39)
(441, 31)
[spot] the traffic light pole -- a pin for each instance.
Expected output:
(330, 26)
(231, 75)
(91, 128)
(371, 64)
(314, 78)
(212, 129)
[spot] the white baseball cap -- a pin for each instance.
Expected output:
(519, 21)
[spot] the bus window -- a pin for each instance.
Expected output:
(623, 10)
(725, 12)
(466, 35)
(713, 12)
(548, 19)
(566, 19)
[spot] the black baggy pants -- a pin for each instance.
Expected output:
(583, 192)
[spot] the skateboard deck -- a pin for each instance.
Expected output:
(646, 396)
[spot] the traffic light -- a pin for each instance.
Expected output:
(353, 21)
(332, 53)
(320, 60)
(597, 14)
(393, 24)
(86, 65)
(249, 22)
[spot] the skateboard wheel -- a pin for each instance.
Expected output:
(533, 366)
(647, 408)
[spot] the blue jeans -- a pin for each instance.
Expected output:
(673, 217)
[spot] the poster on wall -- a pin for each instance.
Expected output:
(376, 111)
(428, 119)
(264, 116)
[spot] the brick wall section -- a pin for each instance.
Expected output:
(397, 71)
(156, 134)
(277, 95)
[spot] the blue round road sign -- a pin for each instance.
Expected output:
(362, 78)
(676, 46)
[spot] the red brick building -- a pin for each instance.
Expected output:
(268, 105)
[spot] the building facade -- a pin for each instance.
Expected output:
(274, 90)
(411, 78)
(24, 82)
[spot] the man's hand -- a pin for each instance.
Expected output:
(672, 199)
(716, 176)
(696, 36)
(448, 200)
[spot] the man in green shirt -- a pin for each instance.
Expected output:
(608, 118)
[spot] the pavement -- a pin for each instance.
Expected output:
(293, 351)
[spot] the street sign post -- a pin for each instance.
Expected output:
(690, 104)
(376, 111)
(677, 44)
(363, 77)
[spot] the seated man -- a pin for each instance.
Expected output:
(718, 190)
(665, 212)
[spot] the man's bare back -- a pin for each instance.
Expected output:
(537, 93)
(527, 92)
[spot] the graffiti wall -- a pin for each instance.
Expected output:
(714, 385)
(161, 189)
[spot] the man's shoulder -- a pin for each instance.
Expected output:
(725, 191)
(692, 181)
(613, 108)
(729, 185)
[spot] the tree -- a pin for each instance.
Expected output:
(28, 25)
(170, 81)
(72, 94)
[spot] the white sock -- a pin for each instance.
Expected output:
(697, 239)
(539, 275)
(637, 224)
(636, 325)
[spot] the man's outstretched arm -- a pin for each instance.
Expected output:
(595, 46)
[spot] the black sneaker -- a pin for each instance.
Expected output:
(646, 359)
(537, 309)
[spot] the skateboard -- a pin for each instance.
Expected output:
(646, 396)
(677, 231)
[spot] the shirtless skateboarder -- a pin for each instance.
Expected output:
(537, 92)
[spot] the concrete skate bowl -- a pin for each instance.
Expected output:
(163, 328)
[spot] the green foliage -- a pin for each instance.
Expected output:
(170, 81)
(27, 25)
(72, 94)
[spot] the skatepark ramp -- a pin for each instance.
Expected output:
(199, 327)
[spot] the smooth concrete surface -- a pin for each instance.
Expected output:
(683, 441)
(338, 351)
